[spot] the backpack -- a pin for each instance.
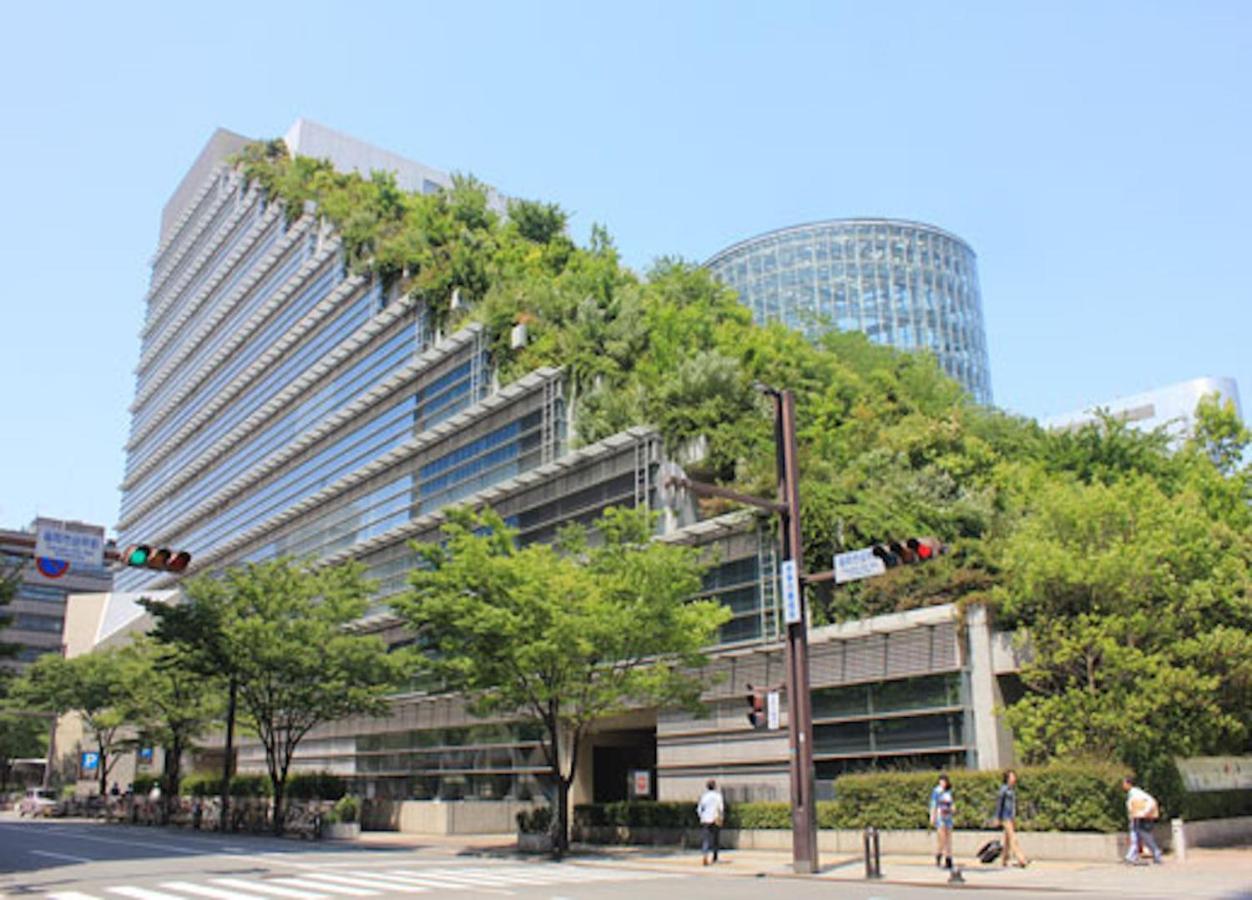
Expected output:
(990, 851)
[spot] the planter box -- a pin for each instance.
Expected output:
(534, 843)
(341, 831)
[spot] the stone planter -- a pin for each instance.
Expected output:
(341, 831)
(529, 842)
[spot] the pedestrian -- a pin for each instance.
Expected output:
(115, 790)
(942, 817)
(1006, 815)
(934, 800)
(1142, 810)
(710, 809)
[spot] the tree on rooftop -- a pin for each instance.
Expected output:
(564, 634)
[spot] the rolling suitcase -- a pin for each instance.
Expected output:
(990, 851)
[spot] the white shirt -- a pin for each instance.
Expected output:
(1139, 803)
(711, 807)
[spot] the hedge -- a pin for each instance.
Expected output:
(143, 784)
(1057, 797)
(316, 786)
(1216, 805)
(202, 784)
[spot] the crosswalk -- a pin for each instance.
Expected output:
(332, 883)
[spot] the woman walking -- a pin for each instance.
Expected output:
(1006, 813)
(942, 814)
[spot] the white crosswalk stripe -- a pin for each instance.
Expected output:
(273, 890)
(141, 893)
(304, 882)
(202, 890)
(365, 881)
(427, 880)
(337, 880)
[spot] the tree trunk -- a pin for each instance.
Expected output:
(279, 787)
(561, 845)
(228, 756)
(173, 778)
(103, 770)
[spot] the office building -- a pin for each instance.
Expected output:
(287, 407)
(1171, 407)
(903, 284)
(37, 610)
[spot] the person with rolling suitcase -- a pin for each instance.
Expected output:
(1006, 816)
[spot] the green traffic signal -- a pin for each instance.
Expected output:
(161, 559)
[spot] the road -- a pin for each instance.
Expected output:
(63, 860)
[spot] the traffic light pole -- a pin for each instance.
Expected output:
(799, 701)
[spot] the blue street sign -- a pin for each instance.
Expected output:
(90, 761)
(790, 592)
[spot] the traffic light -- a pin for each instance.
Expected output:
(162, 559)
(907, 553)
(756, 708)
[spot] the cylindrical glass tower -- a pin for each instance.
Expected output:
(905, 284)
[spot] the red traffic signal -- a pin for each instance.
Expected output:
(914, 550)
(161, 559)
(756, 708)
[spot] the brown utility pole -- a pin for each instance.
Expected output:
(799, 701)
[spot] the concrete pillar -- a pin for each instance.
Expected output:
(994, 751)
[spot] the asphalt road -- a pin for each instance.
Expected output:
(86, 861)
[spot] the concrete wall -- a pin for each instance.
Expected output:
(1037, 845)
(1217, 832)
(440, 817)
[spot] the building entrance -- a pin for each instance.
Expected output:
(616, 758)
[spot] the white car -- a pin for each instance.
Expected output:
(37, 802)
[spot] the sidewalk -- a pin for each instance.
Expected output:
(1206, 873)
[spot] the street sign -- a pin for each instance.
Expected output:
(90, 761)
(790, 592)
(772, 711)
(58, 540)
(857, 564)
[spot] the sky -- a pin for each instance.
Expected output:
(1096, 156)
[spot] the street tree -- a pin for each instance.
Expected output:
(562, 634)
(283, 634)
(21, 735)
(1130, 581)
(95, 686)
(169, 702)
(191, 630)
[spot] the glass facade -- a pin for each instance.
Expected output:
(905, 723)
(903, 284)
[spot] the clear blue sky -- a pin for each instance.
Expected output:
(1096, 156)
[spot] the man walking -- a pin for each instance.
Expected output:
(1142, 810)
(710, 809)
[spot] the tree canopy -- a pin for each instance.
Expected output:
(562, 634)
(280, 627)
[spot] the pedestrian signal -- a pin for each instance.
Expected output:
(756, 708)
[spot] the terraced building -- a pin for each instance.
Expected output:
(287, 405)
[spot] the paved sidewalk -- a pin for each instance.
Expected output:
(1223, 874)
